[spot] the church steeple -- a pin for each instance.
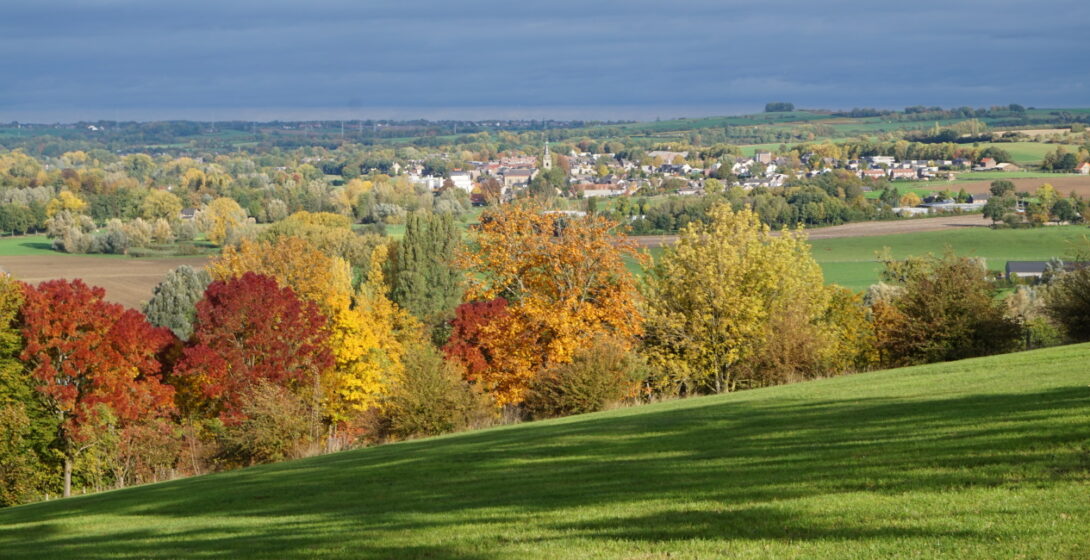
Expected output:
(547, 162)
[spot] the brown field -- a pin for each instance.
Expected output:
(127, 281)
(859, 229)
(1064, 184)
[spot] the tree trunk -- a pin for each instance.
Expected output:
(67, 476)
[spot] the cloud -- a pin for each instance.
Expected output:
(92, 59)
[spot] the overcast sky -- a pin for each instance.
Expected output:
(266, 59)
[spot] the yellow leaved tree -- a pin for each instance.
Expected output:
(732, 305)
(220, 217)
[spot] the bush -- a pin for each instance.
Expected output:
(432, 398)
(603, 374)
(276, 427)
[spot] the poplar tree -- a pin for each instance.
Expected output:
(426, 280)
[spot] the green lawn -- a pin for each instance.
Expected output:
(851, 262)
(985, 458)
(25, 245)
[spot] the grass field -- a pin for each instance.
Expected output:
(985, 458)
(26, 245)
(1028, 152)
(851, 263)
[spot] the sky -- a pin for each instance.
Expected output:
(73, 60)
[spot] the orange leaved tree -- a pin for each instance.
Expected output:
(564, 278)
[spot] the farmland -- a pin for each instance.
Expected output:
(127, 281)
(851, 262)
(985, 458)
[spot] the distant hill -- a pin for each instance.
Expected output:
(984, 458)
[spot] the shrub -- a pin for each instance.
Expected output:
(432, 398)
(1068, 303)
(276, 426)
(600, 375)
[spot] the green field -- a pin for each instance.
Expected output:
(1027, 152)
(985, 458)
(26, 245)
(850, 261)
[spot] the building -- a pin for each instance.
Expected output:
(1025, 269)
(762, 156)
(462, 180)
(1083, 168)
(909, 174)
(881, 160)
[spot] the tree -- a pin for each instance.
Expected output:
(161, 204)
(600, 375)
(1001, 187)
(249, 330)
(87, 354)
(173, 303)
(998, 207)
(1063, 210)
(363, 326)
(910, 199)
(469, 341)
(564, 279)
(65, 201)
(714, 296)
(946, 310)
(431, 397)
(426, 279)
(779, 107)
(219, 218)
(1068, 303)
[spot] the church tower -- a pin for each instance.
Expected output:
(547, 161)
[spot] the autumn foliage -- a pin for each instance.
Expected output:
(85, 353)
(565, 281)
(249, 330)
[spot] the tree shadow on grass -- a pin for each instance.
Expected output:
(744, 454)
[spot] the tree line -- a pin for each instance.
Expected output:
(294, 343)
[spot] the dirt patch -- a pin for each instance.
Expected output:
(859, 229)
(127, 281)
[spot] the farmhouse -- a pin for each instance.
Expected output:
(903, 174)
(1083, 168)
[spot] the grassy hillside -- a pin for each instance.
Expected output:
(986, 458)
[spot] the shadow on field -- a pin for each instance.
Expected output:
(485, 487)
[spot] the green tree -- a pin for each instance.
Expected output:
(945, 310)
(998, 207)
(1001, 187)
(173, 304)
(1068, 303)
(426, 280)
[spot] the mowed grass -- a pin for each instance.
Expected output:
(851, 261)
(26, 245)
(984, 458)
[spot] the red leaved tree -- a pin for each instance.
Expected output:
(468, 342)
(250, 330)
(85, 354)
